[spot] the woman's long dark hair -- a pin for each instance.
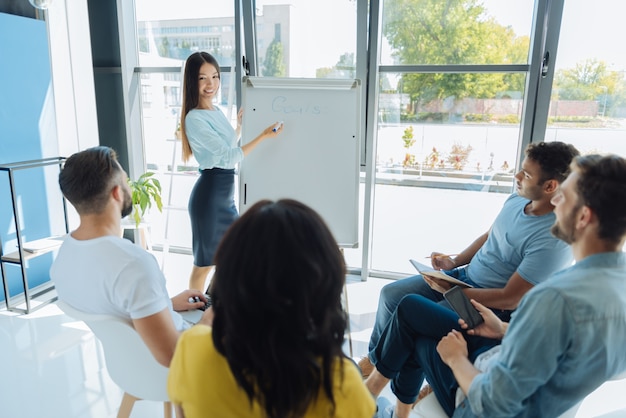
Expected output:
(277, 300)
(191, 94)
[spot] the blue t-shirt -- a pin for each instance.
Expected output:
(212, 139)
(519, 242)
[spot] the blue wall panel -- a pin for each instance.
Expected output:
(27, 132)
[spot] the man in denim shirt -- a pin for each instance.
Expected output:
(566, 337)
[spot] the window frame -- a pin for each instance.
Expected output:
(544, 39)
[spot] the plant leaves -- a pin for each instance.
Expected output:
(145, 190)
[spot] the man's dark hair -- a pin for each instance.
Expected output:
(602, 187)
(87, 178)
(279, 320)
(554, 158)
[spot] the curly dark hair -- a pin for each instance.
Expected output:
(279, 319)
(602, 187)
(554, 158)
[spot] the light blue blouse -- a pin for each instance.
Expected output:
(212, 139)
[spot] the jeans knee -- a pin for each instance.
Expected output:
(386, 292)
(391, 295)
(407, 305)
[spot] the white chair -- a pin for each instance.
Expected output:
(129, 361)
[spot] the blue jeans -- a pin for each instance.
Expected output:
(392, 294)
(406, 351)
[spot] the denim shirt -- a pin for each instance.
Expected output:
(565, 339)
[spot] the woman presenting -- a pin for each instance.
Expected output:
(209, 137)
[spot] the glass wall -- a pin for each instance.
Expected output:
(303, 38)
(448, 126)
(455, 81)
(588, 103)
(456, 32)
(167, 33)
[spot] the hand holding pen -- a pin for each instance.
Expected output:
(273, 130)
(279, 125)
(442, 261)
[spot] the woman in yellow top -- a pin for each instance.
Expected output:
(275, 348)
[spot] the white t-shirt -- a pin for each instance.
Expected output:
(111, 276)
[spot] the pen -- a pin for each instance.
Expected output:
(442, 255)
(278, 125)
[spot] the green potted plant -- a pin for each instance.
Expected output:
(407, 138)
(146, 190)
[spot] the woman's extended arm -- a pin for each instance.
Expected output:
(270, 132)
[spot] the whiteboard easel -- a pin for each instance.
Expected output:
(316, 158)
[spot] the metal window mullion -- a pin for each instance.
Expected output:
(249, 32)
(129, 60)
(544, 36)
(371, 127)
(151, 70)
(361, 62)
(529, 108)
(455, 68)
(552, 30)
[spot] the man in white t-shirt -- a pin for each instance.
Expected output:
(97, 271)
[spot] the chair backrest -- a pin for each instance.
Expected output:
(129, 362)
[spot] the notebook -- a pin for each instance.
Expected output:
(425, 270)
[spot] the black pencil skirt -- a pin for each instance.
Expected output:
(211, 210)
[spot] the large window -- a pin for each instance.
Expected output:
(303, 38)
(456, 32)
(448, 125)
(588, 103)
(459, 89)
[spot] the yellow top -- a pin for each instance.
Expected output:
(201, 381)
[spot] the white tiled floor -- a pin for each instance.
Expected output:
(52, 367)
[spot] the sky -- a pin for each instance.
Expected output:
(589, 29)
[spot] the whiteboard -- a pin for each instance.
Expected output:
(316, 157)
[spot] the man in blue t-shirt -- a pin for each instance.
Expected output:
(516, 253)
